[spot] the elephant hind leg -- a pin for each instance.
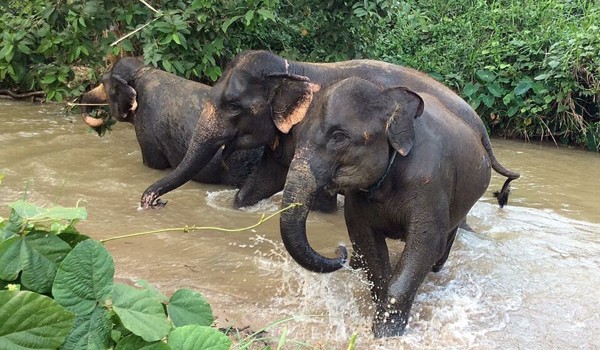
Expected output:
(440, 263)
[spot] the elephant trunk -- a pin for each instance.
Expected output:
(94, 96)
(205, 143)
(301, 188)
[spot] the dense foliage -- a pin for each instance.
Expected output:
(530, 68)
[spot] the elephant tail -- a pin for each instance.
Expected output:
(502, 195)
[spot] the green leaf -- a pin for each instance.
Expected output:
(32, 321)
(10, 258)
(167, 65)
(11, 227)
(486, 75)
(248, 17)
(495, 89)
(512, 111)
(91, 331)
(37, 254)
(24, 49)
(48, 79)
(72, 237)
(30, 211)
(189, 307)
(523, 86)
(155, 292)
(176, 38)
(227, 23)
(6, 50)
(194, 337)
(132, 342)
(553, 63)
(471, 89)
(543, 76)
(266, 14)
(141, 312)
(487, 100)
(85, 278)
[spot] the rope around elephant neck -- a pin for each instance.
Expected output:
(374, 187)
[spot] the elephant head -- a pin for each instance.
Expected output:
(349, 143)
(116, 90)
(256, 98)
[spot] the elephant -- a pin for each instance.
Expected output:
(410, 169)
(258, 100)
(165, 110)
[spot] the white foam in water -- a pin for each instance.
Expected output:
(502, 287)
(223, 200)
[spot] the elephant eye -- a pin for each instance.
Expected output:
(233, 109)
(339, 136)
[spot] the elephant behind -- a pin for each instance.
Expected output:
(164, 110)
(262, 96)
(409, 168)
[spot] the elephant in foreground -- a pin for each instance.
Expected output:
(409, 168)
(165, 110)
(259, 99)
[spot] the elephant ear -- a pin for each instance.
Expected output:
(400, 126)
(292, 95)
(122, 97)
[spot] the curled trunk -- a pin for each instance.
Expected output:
(95, 96)
(199, 154)
(301, 188)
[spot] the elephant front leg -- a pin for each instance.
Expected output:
(424, 246)
(370, 251)
(267, 178)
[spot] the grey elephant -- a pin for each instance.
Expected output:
(165, 110)
(257, 102)
(410, 169)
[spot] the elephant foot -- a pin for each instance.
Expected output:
(389, 324)
(438, 265)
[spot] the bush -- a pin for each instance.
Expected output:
(530, 68)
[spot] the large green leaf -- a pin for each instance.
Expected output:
(91, 331)
(189, 307)
(37, 254)
(10, 227)
(32, 321)
(84, 278)
(29, 211)
(133, 342)
(194, 337)
(141, 312)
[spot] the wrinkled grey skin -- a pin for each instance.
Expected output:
(165, 110)
(259, 99)
(441, 167)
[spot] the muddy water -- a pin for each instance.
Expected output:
(528, 279)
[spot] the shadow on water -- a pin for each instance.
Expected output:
(528, 279)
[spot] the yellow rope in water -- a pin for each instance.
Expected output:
(187, 229)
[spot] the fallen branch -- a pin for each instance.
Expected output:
(24, 95)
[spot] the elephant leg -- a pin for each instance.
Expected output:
(425, 243)
(370, 252)
(267, 178)
(440, 263)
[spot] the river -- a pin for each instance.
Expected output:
(527, 279)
